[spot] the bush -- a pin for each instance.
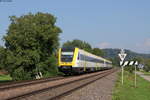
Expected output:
(146, 68)
(129, 69)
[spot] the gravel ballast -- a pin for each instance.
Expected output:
(98, 90)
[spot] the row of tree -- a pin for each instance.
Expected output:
(83, 45)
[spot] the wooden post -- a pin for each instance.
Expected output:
(122, 74)
(135, 77)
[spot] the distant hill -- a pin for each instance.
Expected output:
(112, 53)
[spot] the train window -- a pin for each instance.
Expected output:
(91, 59)
(78, 56)
(67, 56)
(82, 57)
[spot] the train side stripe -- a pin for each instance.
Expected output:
(75, 56)
(59, 55)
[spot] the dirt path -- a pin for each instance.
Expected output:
(146, 77)
(99, 90)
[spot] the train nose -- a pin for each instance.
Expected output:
(65, 69)
(66, 63)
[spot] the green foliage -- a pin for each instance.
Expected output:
(2, 57)
(30, 43)
(115, 61)
(98, 52)
(5, 78)
(129, 68)
(78, 43)
(145, 73)
(83, 45)
(146, 68)
(147, 65)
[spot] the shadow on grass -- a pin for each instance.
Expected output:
(5, 81)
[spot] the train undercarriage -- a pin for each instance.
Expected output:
(69, 70)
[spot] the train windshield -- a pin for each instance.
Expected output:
(66, 56)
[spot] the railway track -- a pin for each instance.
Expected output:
(11, 85)
(52, 89)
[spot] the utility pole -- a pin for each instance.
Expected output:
(135, 77)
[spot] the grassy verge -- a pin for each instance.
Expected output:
(128, 91)
(5, 78)
(145, 73)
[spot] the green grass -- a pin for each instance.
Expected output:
(5, 78)
(145, 73)
(128, 91)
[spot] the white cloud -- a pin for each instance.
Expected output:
(147, 43)
(144, 46)
(104, 45)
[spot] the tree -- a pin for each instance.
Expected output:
(2, 57)
(115, 61)
(147, 65)
(83, 45)
(30, 43)
(98, 52)
(78, 43)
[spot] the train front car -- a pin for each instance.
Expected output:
(66, 59)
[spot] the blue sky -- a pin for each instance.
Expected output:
(102, 23)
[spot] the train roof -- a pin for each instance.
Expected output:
(68, 49)
(95, 56)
